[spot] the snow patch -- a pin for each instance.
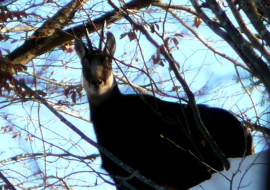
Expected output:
(250, 173)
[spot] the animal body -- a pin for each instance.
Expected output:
(155, 137)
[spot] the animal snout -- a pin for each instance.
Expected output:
(96, 83)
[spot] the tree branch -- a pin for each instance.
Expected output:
(221, 54)
(43, 43)
(258, 67)
(253, 39)
(35, 155)
(191, 102)
(10, 186)
(250, 10)
(90, 141)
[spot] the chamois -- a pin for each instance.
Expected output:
(159, 139)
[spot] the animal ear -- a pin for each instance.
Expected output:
(80, 48)
(110, 46)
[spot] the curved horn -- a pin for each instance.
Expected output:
(101, 36)
(90, 47)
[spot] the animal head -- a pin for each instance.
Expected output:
(98, 79)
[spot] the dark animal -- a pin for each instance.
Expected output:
(155, 137)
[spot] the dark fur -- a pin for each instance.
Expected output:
(130, 127)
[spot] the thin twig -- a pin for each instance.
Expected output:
(90, 141)
(189, 93)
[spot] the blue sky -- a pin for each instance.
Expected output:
(198, 66)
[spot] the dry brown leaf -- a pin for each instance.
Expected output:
(197, 22)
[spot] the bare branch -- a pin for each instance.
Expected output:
(190, 95)
(253, 39)
(250, 10)
(90, 141)
(258, 67)
(10, 186)
(34, 47)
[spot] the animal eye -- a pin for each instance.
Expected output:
(107, 62)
